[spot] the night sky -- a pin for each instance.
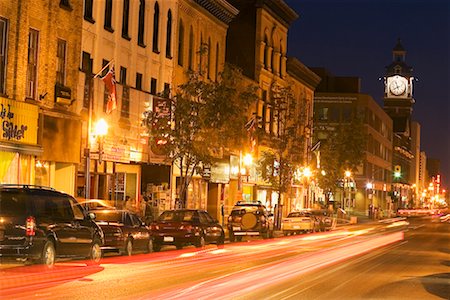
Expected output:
(356, 38)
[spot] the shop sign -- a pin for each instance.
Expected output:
(63, 94)
(220, 172)
(18, 121)
(111, 152)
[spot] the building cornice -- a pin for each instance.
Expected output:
(302, 73)
(280, 10)
(221, 9)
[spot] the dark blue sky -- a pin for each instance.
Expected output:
(356, 37)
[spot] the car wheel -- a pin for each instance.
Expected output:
(264, 234)
(128, 247)
(95, 254)
(285, 233)
(239, 238)
(231, 236)
(179, 246)
(200, 242)
(48, 254)
(156, 247)
(150, 246)
(221, 241)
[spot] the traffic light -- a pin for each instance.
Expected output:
(397, 171)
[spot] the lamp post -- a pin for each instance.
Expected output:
(100, 131)
(307, 174)
(347, 174)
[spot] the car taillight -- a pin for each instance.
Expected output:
(186, 227)
(286, 221)
(154, 227)
(30, 226)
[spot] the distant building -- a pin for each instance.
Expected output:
(337, 101)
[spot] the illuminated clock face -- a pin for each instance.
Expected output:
(397, 86)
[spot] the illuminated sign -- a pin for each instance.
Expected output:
(18, 121)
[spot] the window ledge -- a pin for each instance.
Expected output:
(125, 36)
(89, 19)
(110, 29)
(142, 45)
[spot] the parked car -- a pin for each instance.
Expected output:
(307, 220)
(124, 231)
(298, 221)
(249, 219)
(186, 227)
(40, 224)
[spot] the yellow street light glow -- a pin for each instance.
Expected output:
(369, 185)
(348, 174)
(323, 172)
(307, 172)
(101, 128)
(248, 159)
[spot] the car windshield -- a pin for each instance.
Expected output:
(108, 216)
(177, 215)
(298, 214)
(241, 210)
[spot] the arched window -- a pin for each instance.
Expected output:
(191, 49)
(209, 58)
(266, 51)
(180, 43)
(141, 23)
(156, 28)
(217, 61)
(200, 64)
(281, 60)
(169, 35)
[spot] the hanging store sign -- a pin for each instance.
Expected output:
(19, 121)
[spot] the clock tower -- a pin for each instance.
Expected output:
(398, 104)
(398, 91)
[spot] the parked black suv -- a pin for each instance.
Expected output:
(249, 219)
(39, 224)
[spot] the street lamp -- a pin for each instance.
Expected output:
(348, 174)
(100, 131)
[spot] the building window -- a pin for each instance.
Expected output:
(61, 62)
(217, 62)
(263, 111)
(200, 60)
(88, 10)
(139, 81)
(105, 90)
(141, 23)
(3, 53)
(169, 35)
(125, 19)
(281, 61)
(323, 113)
(108, 16)
(33, 46)
(125, 110)
(65, 4)
(156, 28)
(86, 67)
(153, 83)
(191, 49)
(166, 93)
(209, 58)
(123, 76)
(180, 43)
(266, 52)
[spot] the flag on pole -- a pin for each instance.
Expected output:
(110, 84)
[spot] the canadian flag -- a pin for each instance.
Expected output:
(110, 84)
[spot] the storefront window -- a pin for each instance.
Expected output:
(42, 173)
